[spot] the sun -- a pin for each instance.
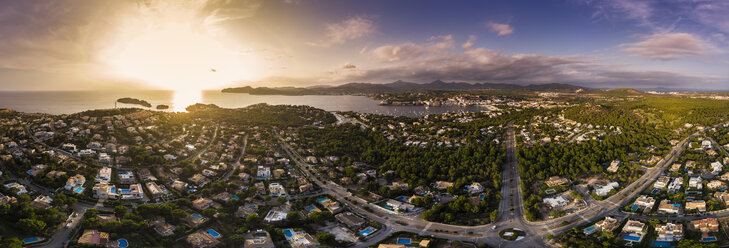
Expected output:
(177, 57)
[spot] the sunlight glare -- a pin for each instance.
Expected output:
(183, 98)
(176, 57)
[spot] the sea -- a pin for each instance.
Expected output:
(68, 102)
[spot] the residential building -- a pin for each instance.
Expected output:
(104, 190)
(399, 206)
(474, 188)
(258, 239)
(706, 225)
(661, 182)
(75, 183)
(614, 165)
(556, 181)
(634, 226)
(21, 188)
(605, 190)
(126, 177)
(135, 192)
(716, 185)
(716, 167)
(696, 204)
(667, 207)
(104, 175)
(263, 172)
(669, 232)
(723, 196)
(277, 189)
(645, 201)
(203, 239)
(675, 185)
(94, 238)
(351, 220)
(202, 203)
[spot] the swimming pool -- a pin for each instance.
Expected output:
(708, 239)
(112, 190)
(655, 191)
(213, 233)
(197, 216)
(590, 228)
(126, 191)
(123, 243)
(78, 190)
(550, 191)
(30, 172)
(310, 208)
(366, 232)
(387, 207)
(288, 233)
(235, 197)
(404, 241)
(631, 238)
(31, 240)
(635, 207)
(661, 244)
(322, 200)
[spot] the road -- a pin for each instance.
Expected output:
(511, 212)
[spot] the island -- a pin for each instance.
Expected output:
(129, 100)
(162, 107)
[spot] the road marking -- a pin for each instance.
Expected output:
(425, 228)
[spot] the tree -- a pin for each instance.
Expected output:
(13, 242)
(32, 225)
(293, 216)
(326, 238)
(253, 219)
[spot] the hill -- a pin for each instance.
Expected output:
(396, 87)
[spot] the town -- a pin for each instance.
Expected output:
(296, 176)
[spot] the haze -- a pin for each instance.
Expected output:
(193, 45)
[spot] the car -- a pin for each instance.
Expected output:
(493, 228)
(75, 214)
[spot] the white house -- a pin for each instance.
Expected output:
(605, 190)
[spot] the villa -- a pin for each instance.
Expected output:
(614, 165)
(675, 185)
(202, 203)
(662, 182)
(716, 185)
(75, 183)
(669, 232)
(706, 225)
(263, 172)
(104, 175)
(556, 181)
(104, 190)
(94, 238)
(645, 201)
(634, 231)
(276, 189)
(204, 239)
(135, 192)
(350, 220)
(21, 188)
(667, 207)
(716, 167)
(474, 188)
(605, 190)
(723, 196)
(696, 204)
(258, 239)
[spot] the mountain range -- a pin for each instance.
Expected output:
(396, 87)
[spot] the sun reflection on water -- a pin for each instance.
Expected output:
(183, 98)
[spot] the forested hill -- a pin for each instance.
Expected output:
(398, 86)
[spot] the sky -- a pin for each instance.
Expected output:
(211, 44)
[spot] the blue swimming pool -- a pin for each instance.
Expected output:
(197, 216)
(112, 190)
(589, 229)
(388, 207)
(31, 240)
(631, 238)
(213, 233)
(708, 239)
(366, 232)
(126, 191)
(404, 241)
(310, 207)
(550, 191)
(655, 191)
(635, 207)
(322, 200)
(288, 233)
(30, 172)
(78, 190)
(400, 198)
(235, 197)
(123, 243)
(661, 244)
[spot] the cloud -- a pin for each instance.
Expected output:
(347, 66)
(501, 29)
(667, 46)
(347, 30)
(218, 11)
(427, 62)
(469, 42)
(410, 50)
